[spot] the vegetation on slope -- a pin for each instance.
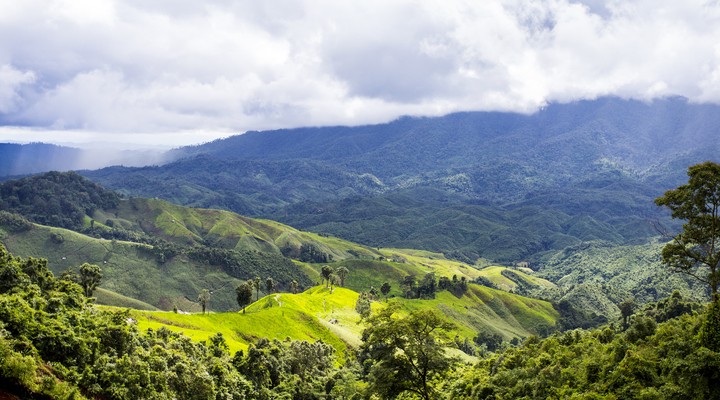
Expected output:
(597, 276)
(501, 186)
(664, 360)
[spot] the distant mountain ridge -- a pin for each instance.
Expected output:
(495, 185)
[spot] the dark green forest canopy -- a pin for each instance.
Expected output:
(60, 199)
(500, 186)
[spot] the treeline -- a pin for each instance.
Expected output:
(248, 264)
(429, 285)
(61, 199)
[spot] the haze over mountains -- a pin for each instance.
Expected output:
(502, 186)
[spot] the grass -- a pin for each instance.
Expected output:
(319, 314)
(494, 274)
(110, 298)
(313, 315)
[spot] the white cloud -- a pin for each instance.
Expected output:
(11, 82)
(127, 66)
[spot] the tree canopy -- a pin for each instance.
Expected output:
(407, 352)
(696, 250)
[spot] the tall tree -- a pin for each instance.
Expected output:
(294, 286)
(270, 284)
(342, 273)
(696, 250)
(326, 271)
(244, 293)
(90, 275)
(256, 285)
(407, 352)
(204, 299)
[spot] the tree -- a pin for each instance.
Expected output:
(409, 287)
(626, 310)
(342, 273)
(326, 271)
(362, 305)
(294, 286)
(373, 292)
(244, 293)
(90, 275)
(385, 289)
(334, 280)
(407, 352)
(204, 299)
(256, 285)
(270, 284)
(696, 250)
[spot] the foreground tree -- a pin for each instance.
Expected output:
(89, 276)
(244, 293)
(696, 250)
(362, 305)
(385, 289)
(407, 352)
(627, 307)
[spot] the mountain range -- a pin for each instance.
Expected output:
(499, 186)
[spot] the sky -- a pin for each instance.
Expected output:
(175, 72)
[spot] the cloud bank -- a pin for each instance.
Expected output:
(211, 68)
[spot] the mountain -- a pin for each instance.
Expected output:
(500, 186)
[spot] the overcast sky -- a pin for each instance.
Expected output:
(173, 72)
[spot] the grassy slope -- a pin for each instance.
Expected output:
(303, 316)
(494, 274)
(189, 226)
(318, 314)
(127, 268)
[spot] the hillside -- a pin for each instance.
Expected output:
(318, 314)
(500, 186)
(597, 276)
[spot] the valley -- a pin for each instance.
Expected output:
(502, 233)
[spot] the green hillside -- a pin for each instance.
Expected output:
(319, 314)
(224, 229)
(596, 276)
(513, 279)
